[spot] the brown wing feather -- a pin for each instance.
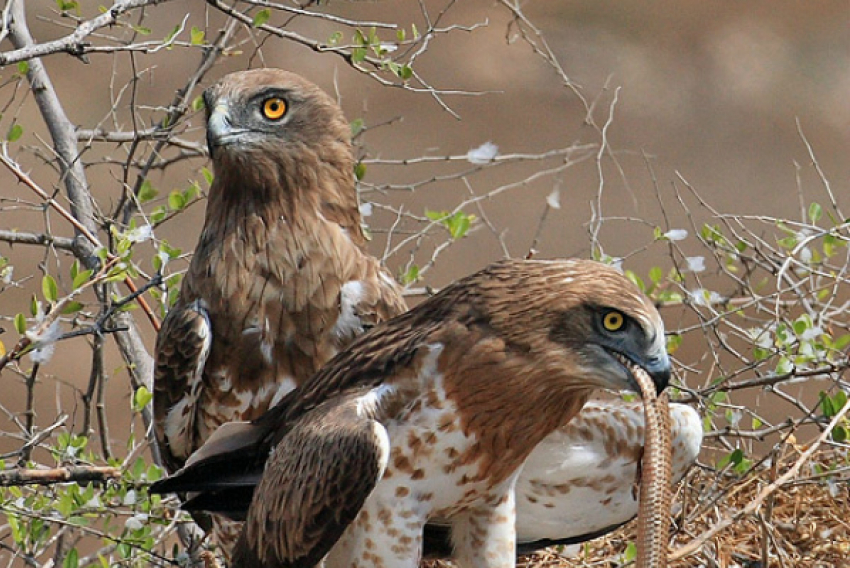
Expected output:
(181, 352)
(315, 483)
(382, 299)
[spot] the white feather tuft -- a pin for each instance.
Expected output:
(483, 154)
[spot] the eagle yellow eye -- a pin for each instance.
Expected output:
(274, 108)
(613, 321)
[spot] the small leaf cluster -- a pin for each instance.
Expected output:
(457, 223)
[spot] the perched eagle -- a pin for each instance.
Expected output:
(430, 415)
(279, 281)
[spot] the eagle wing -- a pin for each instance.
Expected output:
(316, 480)
(182, 348)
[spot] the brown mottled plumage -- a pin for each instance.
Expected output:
(279, 281)
(265, 301)
(429, 415)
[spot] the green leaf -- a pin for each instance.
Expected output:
(840, 399)
(674, 341)
(656, 274)
(176, 200)
(815, 213)
(356, 126)
(630, 554)
(406, 72)
(787, 242)
(23, 67)
(153, 473)
(139, 467)
(192, 192)
(196, 36)
(198, 103)
(842, 342)
(124, 549)
(15, 525)
(72, 307)
(800, 326)
(359, 170)
(72, 559)
(20, 324)
(637, 280)
(208, 175)
(743, 466)
(15, 132)
(49, 289)
(261, 18)
(141, 398)
(172, 252)
(358, 54)
(67, 5)
(733, 458)
(411, 276)
(459, 225)
(141, 30)
(147, 192)
(171, 35)
(784, 366)
(81, 278)
(718, 397)
(436, 215)
(158, 214)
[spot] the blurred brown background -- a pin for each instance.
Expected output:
(709, 89)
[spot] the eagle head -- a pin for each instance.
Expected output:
(584, 318)
(265, 124)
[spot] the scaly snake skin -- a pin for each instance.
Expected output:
(656, 494)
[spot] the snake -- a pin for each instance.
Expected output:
(656, 469)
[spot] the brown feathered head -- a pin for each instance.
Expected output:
(276, 136)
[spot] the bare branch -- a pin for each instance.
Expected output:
(42, 239)
(74, 474)
(73, 44)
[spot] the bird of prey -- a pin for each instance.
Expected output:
(279, 281)
(428, 415)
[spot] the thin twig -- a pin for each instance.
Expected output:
(82, 229)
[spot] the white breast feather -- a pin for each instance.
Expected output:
(348, 324)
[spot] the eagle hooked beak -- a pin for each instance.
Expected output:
(656, 364)
(218, 126)
(660, 370)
